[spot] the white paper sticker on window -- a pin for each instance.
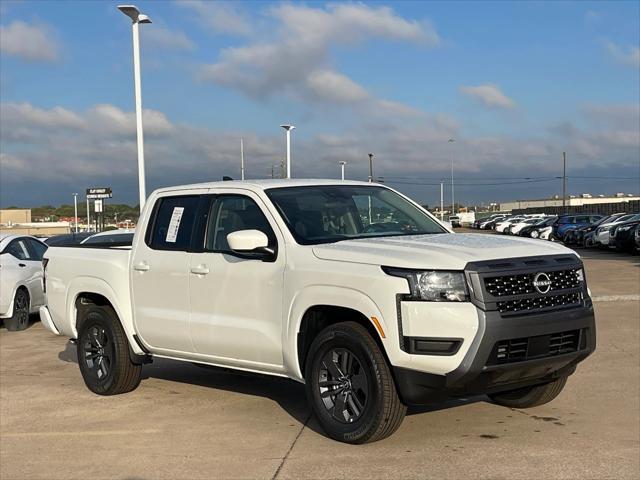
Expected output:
(174, 224)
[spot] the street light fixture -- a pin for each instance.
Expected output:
(288, 128)
(136, 17)
(342, 164)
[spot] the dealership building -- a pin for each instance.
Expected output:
(620, 202)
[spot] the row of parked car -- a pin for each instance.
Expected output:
(21, 289)
(620, 231)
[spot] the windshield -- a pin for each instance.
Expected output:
(324, 214)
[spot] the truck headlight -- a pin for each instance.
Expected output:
(433, 285)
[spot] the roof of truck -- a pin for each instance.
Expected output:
(265, 184)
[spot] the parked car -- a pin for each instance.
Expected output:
(637, 238)
(534, 230)
(477, 222)
(463, 218)
(491, 223)
(601, 238)
(527, 222)
(67, 239)
(283, 277)
(589, 235)
(622, 236)
(568, 222)
(20, 279)
(120, 237)
(575, 236)
(506, 223)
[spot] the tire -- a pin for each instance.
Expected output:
(528, 397)
(534, 234)
(20, 318)
(103, 353)
(345, 359)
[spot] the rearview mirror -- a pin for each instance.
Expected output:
(249, 241)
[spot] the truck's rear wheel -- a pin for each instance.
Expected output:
(103, 353)
(350, 387)
(530, 396)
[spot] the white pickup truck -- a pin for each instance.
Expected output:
(349, 287)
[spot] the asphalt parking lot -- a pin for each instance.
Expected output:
(188, 422)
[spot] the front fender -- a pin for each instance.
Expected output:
(120, 301)
(315, 295)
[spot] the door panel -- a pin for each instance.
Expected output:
(236, 308)
(160, 275)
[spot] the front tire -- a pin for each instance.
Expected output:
(528, 397)
(350, 387)
(103, 353)
(20, 318)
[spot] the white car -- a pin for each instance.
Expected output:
(295, 278)
(500, 226)
(114, 237)
(602, 234)
(20, 279)
(515, 229)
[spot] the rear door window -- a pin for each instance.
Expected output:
(172, 225)
(37, 248)
(18, 248)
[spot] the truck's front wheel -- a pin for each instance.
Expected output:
(103, 353)
(350, 387)
(530, 396)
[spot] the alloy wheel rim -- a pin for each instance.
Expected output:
(98, 352)
(343, 385)
(22, 309)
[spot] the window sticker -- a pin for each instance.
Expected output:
(174, 224)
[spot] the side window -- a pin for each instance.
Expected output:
(173, 223)
(231, 213)
(18, 248)
(37, 248)
(582, 219)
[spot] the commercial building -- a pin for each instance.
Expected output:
(18, 222)
(586, 202)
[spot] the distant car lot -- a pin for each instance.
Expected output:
(191, 422)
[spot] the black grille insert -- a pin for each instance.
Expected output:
(538, 303)
(530, 348)
(521, 284)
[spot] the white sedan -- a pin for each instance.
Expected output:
(21, 290)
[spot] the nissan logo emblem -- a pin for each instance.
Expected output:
(542, 282)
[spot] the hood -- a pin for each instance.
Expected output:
(449, 251)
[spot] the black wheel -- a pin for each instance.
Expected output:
(530, 396)
(350, 387)
(103, 353)
(20, 318)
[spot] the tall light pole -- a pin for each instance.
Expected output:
(370, 167)
(453, 202)
(241, 160)
(441, 199)
(136, 17)
(288, 128)
(342, 163)
(75, 211)
(88, 216)
(564, 182)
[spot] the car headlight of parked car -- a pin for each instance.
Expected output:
(624, 228)
(433, 286)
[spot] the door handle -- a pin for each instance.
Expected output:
(142, 267)
(21, 265)
(201, 269)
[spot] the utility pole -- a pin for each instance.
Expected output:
(288, 128)
(453, 202)
(241, 160)
(370, 167)
(75, 211)
(441, 199)
(272, 170)
(342, 164)
(564, 182)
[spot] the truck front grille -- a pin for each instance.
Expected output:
(521, 284)
(541, 346)
(539, 303)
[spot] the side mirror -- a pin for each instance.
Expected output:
(249, 241)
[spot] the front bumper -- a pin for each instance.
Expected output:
(477, 374)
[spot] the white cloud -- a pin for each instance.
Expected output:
(489, 95)
(24, 114)
(629, 56)
(165, 39)
(30, 42)
(295, 60)
(218, 17)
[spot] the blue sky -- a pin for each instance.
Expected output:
(515, 83)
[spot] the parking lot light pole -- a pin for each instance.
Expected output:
(88, 216)
(288, 128)
(75, 211)
(453, 202)
(136, 17)
(342, 164)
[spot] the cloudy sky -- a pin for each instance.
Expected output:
(515, 84)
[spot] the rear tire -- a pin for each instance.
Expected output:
(20, 318)
(528, 397)
(350, 387)
(103, 353)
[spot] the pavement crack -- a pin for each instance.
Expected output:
(286, 455)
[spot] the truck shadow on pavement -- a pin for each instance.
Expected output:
(288, 394)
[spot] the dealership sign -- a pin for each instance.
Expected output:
(102, 192)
